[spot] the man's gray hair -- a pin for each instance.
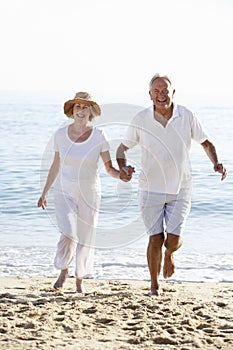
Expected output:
(157, 76)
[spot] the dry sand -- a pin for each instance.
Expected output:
(115, 315)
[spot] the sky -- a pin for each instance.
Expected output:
(112, 48)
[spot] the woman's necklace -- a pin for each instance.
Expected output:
(80, 135)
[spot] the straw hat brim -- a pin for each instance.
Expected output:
(68, 106)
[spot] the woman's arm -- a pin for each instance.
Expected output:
(212, 155)
(53, 171)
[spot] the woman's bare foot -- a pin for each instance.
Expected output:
(169, 266)
(61, 279)
(80, 286)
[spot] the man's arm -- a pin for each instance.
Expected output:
(212, 155)
(120, 155)
(121, 160)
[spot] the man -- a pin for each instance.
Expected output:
(164, 133)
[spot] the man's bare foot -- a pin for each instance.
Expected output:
(169, 266)
(155, 292)
(80, 286)
(61, 279)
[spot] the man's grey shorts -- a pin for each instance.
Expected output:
(165, 212)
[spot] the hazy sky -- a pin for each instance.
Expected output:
(111, 48)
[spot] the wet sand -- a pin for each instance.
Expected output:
(114, 315)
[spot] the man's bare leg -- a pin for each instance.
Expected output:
(154, 258)
(80, 285)
(172, 243)
(61, 279)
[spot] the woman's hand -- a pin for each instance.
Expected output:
(126, 173)
(42, 202)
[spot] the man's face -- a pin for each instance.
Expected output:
(161, 93)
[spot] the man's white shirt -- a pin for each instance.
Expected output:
(165, 165)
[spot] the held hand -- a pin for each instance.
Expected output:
(42, 202)
(126, 173)
(220, 169)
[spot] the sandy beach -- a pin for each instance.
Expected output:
(115, 315)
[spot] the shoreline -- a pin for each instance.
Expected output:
(115, 314)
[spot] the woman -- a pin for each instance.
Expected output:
(78, 147)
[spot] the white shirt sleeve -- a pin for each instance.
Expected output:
(198, 132)
(131, 138)
(104, 142)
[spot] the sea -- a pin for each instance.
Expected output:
(28, 234)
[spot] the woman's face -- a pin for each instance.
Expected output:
(81, 111)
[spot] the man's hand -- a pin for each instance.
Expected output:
(126, 173)
(220, 169)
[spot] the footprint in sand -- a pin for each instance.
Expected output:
(105, 321)
(90, 310)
